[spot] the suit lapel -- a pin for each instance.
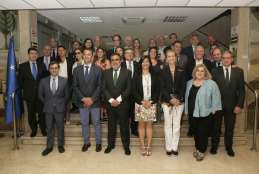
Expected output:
(222, 76)
(81, 72)
(120, 76)
(91, 72)
(29, 69)
(59, 84)
(38, 70)
(232, 76)
(48, 84)
(123, 65)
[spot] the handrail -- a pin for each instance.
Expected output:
(255, 115)
(219, 43)
(14, 118)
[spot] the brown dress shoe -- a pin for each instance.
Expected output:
(85, 147)
(98, 147)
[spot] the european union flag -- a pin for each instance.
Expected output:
(11, 85)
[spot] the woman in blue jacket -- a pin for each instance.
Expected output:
(202, 100)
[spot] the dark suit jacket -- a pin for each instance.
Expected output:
(168, 86)
(123, 88)
(109, 53)
(90, 89)
(72, 56)
(27, 81)
(123, 65)
(188, 51)
(41, 59)
(169, 48)
(234, 94)
(137, 87)
(60, 98)
(191, 65)
(70, 63)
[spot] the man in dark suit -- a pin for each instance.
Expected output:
(46, 59)
(181, 59)
(211, 41)
(75, 45)
(133, 67)
(87, 81)
(232, 88)
(117, 42)
(172, 38)
(189, 51)
(53, 44)
(29, 75)
(116, 88)
(54, 92)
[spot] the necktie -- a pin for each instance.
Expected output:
(177, 59)
(53, 53)
(218, 64)
(86, 73)
(130, 68)
(227, 77)
(47, 63)
(53, 86)
(34, 71)
(115, 78)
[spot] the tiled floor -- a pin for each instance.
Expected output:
(28, 160)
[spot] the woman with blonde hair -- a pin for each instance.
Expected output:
(137, 50)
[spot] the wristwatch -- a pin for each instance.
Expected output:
(92, 99)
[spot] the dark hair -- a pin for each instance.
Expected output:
(32, 49)
(177, 41)
(75, 53)
(123, 52)
(115, 54)
(77, 42)
(139, 49)
(140, 64)
(54, 62)
(92, 47)
(58, 57)
(88, 49)
(156, 52)
(53, 37)
(171, 35)
(194, 35)
(214, 45)
(96, 56)
(115, 36)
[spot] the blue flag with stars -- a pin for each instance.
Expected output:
(11, 85)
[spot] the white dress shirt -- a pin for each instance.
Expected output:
(220, 64)
(132, 66)
(118, 73)
(162, 49)
(31, 65)
(45, 59)
(51, 81)
(63, 69)
(225, 72)
(199, 62)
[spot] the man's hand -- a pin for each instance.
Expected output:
(87, 102)
(175, 102)
(115, 103)
(237, 110)
(234, 66)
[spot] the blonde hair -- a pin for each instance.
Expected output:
(207, 73)
(171, 51)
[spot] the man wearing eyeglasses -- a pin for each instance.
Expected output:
(117, 42)
(133, 67)
(54, 92)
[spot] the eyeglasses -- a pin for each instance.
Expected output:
(97, 41)
(53, 68)
(77, 52)
(129, 53)
(116, 40)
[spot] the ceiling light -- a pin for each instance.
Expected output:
(175, 18)
(91, 19)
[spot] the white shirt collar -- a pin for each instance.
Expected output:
(89, 66)
(56, 78)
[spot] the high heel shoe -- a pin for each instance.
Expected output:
(143, 153)
(149, 153)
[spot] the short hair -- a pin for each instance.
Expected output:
(172, 34)
(53, 37)
(115, 54)
(88, 49)
(140, 64)
(129, 49)
(61, 46)
(207, 73)
(115, 36)
(194, 35)
(77, 42)
(227, 51)
(214, 45)
(199, 46)
(156, 52)
(176, 42)
(219, 50)
(32, 49)
(54, 62)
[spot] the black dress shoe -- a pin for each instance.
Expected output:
(85, 147)
(213, 150)
(109, 149)
(169, 153)
(33, 134)
(135, 132)
(61, 149)
(98, 147)
(127, 151)
(189, 134)
(46, 152)
(230, 151)
(44, 133)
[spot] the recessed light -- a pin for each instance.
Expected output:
(175, 18)
(91, 19)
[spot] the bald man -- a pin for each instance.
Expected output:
(128, 41)
(161, 43)
(97, 42)
(211, 40)
(46, 59)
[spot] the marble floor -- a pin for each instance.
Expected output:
(28, 160)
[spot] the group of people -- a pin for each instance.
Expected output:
(124, 83)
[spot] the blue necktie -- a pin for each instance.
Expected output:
(34, 71)
(47, 64)
(53, 89)
(86, 73)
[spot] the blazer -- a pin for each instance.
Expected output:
(168, 86)
(188, 51)
(70, 63)
(41, 59)
(60, 98)
(109, 53)
(191, 65)
(122, 88)
(123, 65)
(137, 87)
(207, 98)
(27, 81)
(90, 89)
(234, 94)
(182, 61)
(72, 56)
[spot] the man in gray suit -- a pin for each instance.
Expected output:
(54, 92)
(87, 86)
(181, 59)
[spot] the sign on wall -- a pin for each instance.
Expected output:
(33, 35)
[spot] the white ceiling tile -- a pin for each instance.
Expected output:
(45, 4)
(203, 3)
(172, 2)
(76, 3)
(255, 3)
(108, 3)
(235, 3)
(140, 3)
(15, 4)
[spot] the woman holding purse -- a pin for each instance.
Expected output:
(173, 85)
(145, 89)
